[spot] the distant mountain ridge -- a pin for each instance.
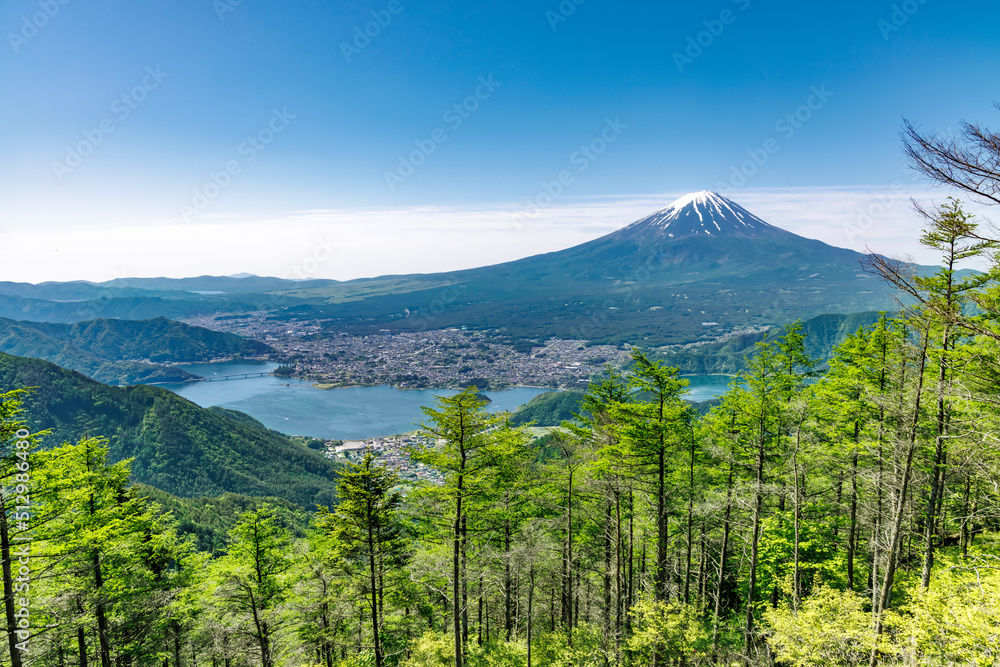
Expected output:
(129, 287)
(239, 284)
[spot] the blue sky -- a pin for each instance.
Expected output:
(219, 136)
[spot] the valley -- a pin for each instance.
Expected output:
(673, 283)
(699, 276)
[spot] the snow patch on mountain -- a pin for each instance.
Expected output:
(707, 213)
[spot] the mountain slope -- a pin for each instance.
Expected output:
(210, 518)
(157, 340)
(706, 234)
(728, 357)
(178, 446)
(24, 340)
(105, 349)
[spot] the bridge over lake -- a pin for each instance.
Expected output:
(218, 378)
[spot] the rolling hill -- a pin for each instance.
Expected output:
(728, 357)
(157, 340)
(549, 409)
(177, 446)
(109, 350)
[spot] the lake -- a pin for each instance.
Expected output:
(706, 387)
(347, 413)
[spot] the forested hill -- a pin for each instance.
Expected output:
(110, 350)
(549, 409)
(178, 447)
(554, 407)
(822, 335)
(210, 518)
(158, 340)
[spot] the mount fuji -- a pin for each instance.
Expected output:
(703, 235)
(702, 266)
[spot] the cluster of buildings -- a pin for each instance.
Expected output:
(440, 358)
(393, 452)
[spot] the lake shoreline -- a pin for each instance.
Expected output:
(322, 386)
(293, 405)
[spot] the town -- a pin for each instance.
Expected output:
(446, 358)
(392, 452)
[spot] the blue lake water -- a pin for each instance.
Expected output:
(706, 387)
(348, 413)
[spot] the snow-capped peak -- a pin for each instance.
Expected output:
(703, 197)
(707, 213)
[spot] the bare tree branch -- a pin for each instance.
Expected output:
(970, 162)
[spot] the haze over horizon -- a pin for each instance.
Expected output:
(228, 137)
